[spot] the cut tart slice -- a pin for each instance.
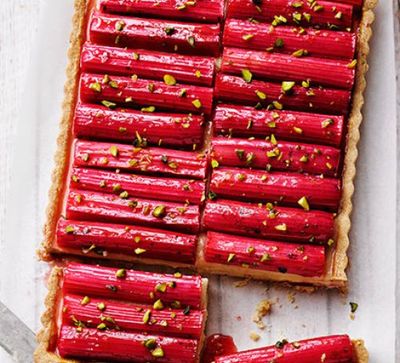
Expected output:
(109, 314)
(329, 349)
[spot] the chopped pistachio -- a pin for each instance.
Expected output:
(250, 158)
(139, 251)
(339, 15)
(303, 202)
(279, 43)
(114, 151)
(297, 4)
(287, 86)
(178, 275)
(265, 257)
(182, 92)
(169, 80)
(119, 25)
(101, 306)
(105, 79)
(150, 87)
(272, 124)
(158, 305)
(69, 229)
(95, 86)
(85, 300)
(136, 56)
(148, 109)
(247, 36)
(197, 73)
(297, 17)
(247, 75)
(353, 307)
(102, 326)
(326, 123)
(121, 273)
(137, 239)
(108, 104)
(230, 257)
(158, 352)
(330, 242)
(146, 316)
(239, 153)
(150, 343)
(169, 30)
(197, 103)
(297, 130)
(352, 64)
(162, 287)
(261, 95)
(214, 163)
(159, 211)
(304, 159)
(306, 83)
(192, 41)
(299, 53)
(277, 105)
(122, 130)
(113, 84)
(317, 8)
(281, 227)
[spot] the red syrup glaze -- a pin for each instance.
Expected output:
(216, 345)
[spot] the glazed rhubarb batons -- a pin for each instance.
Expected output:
(285, 95)
(229, 251)
(195, 70)
(95, 206)
(161, 129)
(310, 70)
(134, 243)
(329, 349)
(162, 35)
(144, 94)
(332, 15)
(268, 221)
(275, 155)
(111, 314)
(151, 160)
(131, 185)
(289, 39)
(211, 11)
(292, 189)
(242, 121)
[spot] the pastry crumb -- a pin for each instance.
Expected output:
(263, 308)
(254, 336)
(241, 283)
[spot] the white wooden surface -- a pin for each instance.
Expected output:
(38, 83)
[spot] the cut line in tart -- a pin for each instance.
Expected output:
(216, 136)
(109, 314)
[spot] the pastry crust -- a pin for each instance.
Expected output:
(337, 259)
(47, 336)
(361, 351)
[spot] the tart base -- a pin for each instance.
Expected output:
(47, 336)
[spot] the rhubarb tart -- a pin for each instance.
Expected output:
(330, 349)
(118, 315)
(214, 135)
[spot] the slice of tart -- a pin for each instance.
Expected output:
(109, 314)
(329, 349)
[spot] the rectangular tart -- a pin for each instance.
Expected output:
(219, 138)
(109, 314)
(329, 349)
